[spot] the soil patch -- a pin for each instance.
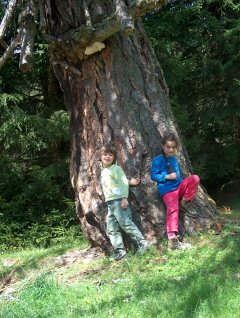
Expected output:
(9, 284)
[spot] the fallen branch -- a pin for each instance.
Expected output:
(87, 35)
(6, 20)
(7, 54)
(125, 20)
(27, 24)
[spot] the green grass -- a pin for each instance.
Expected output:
(203, 282)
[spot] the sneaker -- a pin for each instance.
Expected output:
(175, 244)
(119, 254)
(142, 247)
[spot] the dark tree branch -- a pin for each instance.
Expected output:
(3, 44)
(42, 14)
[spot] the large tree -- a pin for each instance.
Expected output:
(115, 92)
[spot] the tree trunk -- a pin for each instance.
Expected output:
(117, 95)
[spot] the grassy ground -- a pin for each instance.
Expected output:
(201, 282)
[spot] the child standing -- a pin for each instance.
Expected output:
(172, 188)
(115, 187)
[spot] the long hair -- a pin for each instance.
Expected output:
(170, 136)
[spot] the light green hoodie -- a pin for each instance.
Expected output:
(114, 183)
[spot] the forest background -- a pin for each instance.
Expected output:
(197, 44)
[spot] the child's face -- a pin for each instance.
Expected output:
(107, 159)
(169, 148)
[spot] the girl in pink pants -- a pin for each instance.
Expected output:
(173, 189)
(185, 192)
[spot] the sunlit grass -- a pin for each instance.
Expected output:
(203, 282)
(25, 260)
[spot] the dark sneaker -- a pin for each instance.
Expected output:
(119, 254)
(175, 244)
(179, 237)
(142, 247)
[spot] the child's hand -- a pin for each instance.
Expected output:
(171, 176)
(124, 203)
(134, 181)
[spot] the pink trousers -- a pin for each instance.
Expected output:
(186, 190)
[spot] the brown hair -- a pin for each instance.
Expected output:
(170, 136)
(109, 148)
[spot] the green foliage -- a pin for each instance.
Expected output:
(198, 46)
(36, 201)
(35, 190)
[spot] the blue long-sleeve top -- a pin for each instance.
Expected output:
(160, 170)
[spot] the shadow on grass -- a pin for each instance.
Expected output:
(184, 294)
(181, 287)
(34, 261)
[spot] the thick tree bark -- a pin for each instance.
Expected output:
(117, 95)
